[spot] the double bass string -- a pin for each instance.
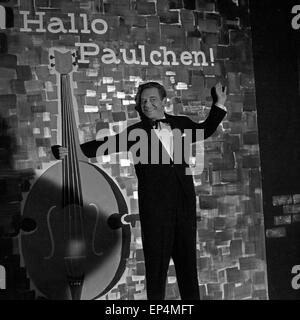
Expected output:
(64, 142)
(67, 172)
(74, 166)
(78, 198)
(71, 184)
(78, 191)
(70, 169)
(72, 155)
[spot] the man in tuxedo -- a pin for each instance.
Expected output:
(166, 194)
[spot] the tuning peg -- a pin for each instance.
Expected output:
(74, 63)
(74, 54)
(51, 56)
(52, 64)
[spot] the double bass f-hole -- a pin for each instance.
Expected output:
(52, 243)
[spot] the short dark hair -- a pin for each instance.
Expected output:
(147, 85)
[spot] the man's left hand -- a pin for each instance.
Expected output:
(221, 93)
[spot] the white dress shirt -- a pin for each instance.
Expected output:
(165, 134)
(221, 106)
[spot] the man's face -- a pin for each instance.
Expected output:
(151, 104)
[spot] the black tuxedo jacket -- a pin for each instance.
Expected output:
(156, 182)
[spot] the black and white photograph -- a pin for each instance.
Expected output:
(149, 151)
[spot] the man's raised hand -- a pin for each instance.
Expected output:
(221, 93)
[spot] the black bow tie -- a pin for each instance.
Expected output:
(156, 123)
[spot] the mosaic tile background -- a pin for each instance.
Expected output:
(230, 246)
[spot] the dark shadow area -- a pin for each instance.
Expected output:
(276, 55)
(12, 184)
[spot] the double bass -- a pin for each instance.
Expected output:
(73, 253)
